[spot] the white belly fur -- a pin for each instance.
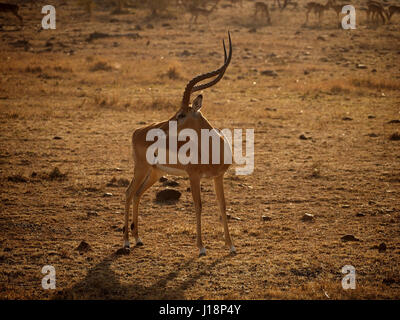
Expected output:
(172, 171)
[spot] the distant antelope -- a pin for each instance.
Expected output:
(196, 12)
(375, 10)
(317, 8)
(12, 8)
(286, 3)
(336, 7)
(262, 8)
(392, 10)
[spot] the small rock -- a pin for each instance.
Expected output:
(307, 217)
(123, 251)
(321, 38)
(371, 117)
(345, 206)
(303, 137)
(269, 73)
(92, 214)
(170, 183)
(372, 135)
(122, 182)
(107, 194)
(361, 66)
(347, 119)
(360, 214)
(168, 195)
(266, 218)
(57, 138)
(349, 237)
(83, 247)
(382, 247)
(395, 136)
(394, 121)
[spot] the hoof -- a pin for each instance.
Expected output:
(233, 250)
(139, 243)
(126, 244)
(202, 252)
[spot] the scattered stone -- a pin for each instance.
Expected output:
(92, 214)
(171, 183)
(57, 138)
(97, 35)
(303, 137)
(345, 206)
(17, 178)
(321, 38)
(372, 135)
(122, 182)
(266, 218)
(347, 119)
(382, 247)
(394, 121)
(395, 137)
(371, 117)
(107, 194)
(83, 247)
(270, 73)
(349, 237)
(123, 251)
(168, 195)
(360, 214)
(307, 217)
(306, 72)
(184, 53)
(361, 66)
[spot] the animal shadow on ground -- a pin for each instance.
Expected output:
(101, 282)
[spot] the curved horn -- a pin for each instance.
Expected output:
(190, 87)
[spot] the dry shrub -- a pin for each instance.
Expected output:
(173, 73)
(56, 174)
(100, 66)
(376, 83)
(111, 100)
(351, 85)
(158, 104)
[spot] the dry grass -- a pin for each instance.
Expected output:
(343, 168)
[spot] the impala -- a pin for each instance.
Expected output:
(146, 174)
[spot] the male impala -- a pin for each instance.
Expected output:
(146, 174)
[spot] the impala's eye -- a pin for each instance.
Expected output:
(181, 116)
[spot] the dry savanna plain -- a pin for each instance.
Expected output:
(324, 104)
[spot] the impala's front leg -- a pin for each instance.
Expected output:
(219, 190)
(195, 187)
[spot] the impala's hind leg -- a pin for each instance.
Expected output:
(152, 177)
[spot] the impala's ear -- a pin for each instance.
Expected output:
(196, 104)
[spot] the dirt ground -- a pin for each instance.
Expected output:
(70, 99)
